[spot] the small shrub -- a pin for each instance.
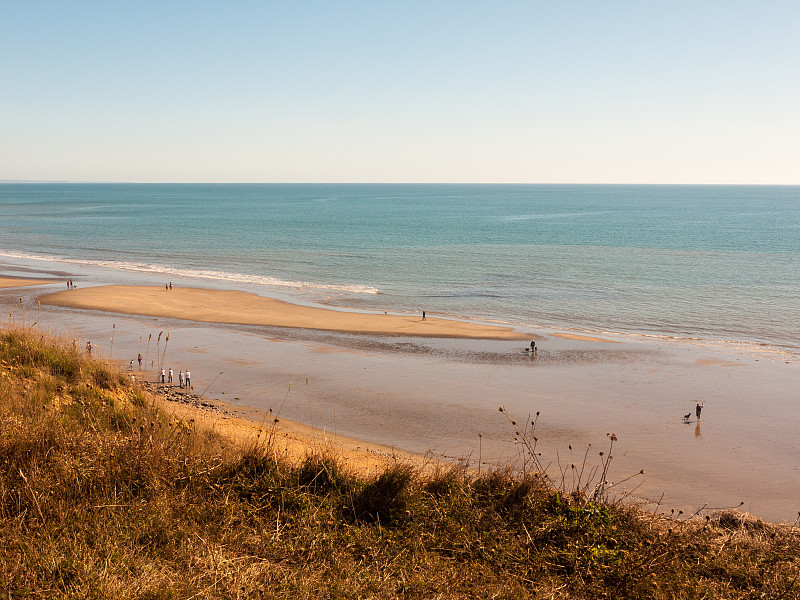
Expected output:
(322, 475)
(443, 482)
(385, 500)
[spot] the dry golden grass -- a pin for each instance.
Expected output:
(102, 496)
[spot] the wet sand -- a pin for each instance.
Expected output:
(440, 396)
(230, 306)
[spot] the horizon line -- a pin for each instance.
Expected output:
(121, 182)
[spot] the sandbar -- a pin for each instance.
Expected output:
(12, 282)
(244, 308)
(584, 338)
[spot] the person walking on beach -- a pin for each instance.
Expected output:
(169, 376)
(140, 361)
(533, 345)
(162, 375)
(423, 315)
(180, 379)
(698, 409)
(188, 377)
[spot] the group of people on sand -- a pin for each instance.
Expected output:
(168, 376)
(69, 285)
(184, 379)
(168, 286)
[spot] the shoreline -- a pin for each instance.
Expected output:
(288, 438)
(243, 308)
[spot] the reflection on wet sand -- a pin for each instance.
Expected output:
(477, 352)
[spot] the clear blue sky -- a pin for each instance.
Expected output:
(640, 91)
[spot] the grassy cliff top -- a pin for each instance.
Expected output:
(104, 496)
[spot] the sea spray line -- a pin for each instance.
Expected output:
(196, 273)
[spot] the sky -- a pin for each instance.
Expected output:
(639, 91)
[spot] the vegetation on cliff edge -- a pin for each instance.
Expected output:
(104, 496)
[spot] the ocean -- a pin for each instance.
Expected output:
(718, 263)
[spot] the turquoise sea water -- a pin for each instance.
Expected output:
(708, 262)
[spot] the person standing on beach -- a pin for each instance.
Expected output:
(699, 409)
(162, 375)
(188, 377)
(169, 376)
(180, 379)
(423, 315)
(140, 361)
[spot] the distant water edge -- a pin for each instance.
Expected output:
(695, 262)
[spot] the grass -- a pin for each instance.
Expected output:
(103, 496)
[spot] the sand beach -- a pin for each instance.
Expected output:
(378, 386)
(229, 306)
(290, 439)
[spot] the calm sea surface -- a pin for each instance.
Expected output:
(709, 262)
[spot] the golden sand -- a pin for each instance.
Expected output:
(229, 306)
(295, 441)
(11, 282)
